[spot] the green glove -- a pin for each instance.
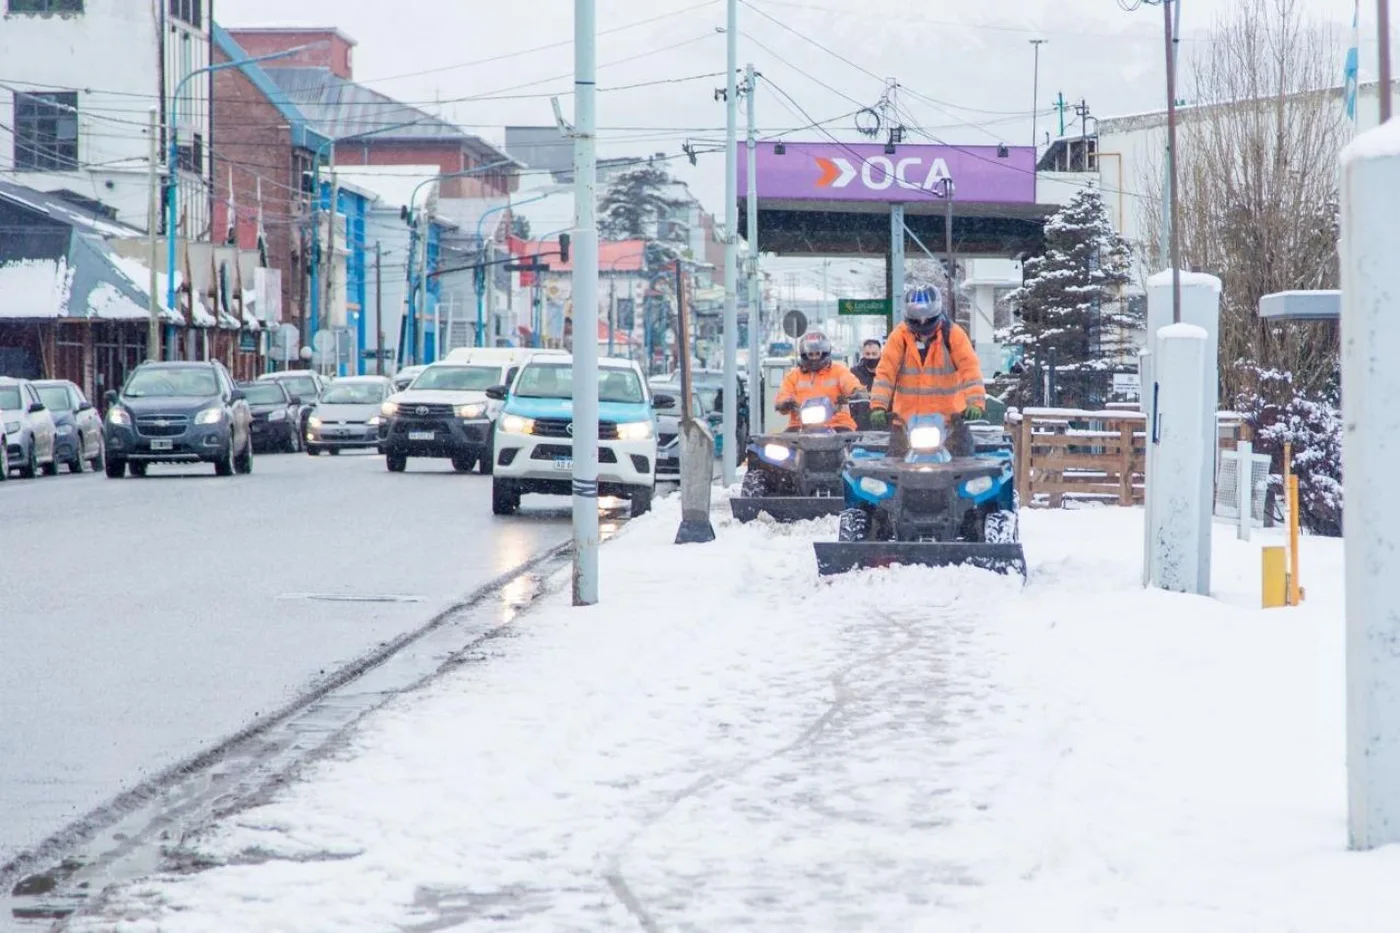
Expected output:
(879, 418)
(974, 413)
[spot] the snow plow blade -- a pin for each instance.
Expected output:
(786, 509)
(842, 556)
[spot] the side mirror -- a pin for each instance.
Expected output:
(496, 393)
(662, 402)
(296, 399)
(110, 397)
(236, 395)
(85, 405)
(36, 407)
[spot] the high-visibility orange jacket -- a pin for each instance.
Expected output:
(942, 379)
(831, 383)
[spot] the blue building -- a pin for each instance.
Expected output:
(340, 317)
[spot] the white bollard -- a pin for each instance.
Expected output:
(1200, 306)
(1177, 548)
(1244, 486)
(1370, 243)
(697, 447)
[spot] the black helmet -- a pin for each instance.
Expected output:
(813, 352)
(923, 309)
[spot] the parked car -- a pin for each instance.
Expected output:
(348, 415)
(30, 433)
(668, 427)
(710, 384)
(404, 377)
(534, 450)
(78, 426)
(304, 384)
(276, 415)
(178, 413)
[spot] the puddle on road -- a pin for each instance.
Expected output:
(354, 597)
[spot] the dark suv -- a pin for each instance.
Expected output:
(178, 413)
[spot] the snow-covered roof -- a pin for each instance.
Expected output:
(57, 208)
(392, 184)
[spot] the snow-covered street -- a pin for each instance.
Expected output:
(728, 742)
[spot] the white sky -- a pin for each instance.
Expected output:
(967, 68)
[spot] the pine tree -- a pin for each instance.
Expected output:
(635, 204)
(1068, 314)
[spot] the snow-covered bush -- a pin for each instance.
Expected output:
(1312, 423)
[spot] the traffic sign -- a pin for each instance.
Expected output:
(794, 324)
(880, 306)
(527, 267)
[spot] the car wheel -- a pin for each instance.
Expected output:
(487, 461)
(30, 468)
(243, 463)
(138, 469)
(396, 463)
(4, 459)
(76, 465)
(334, 451)
(313, 450)
(115, 469)
(463, 463)
(641, 502)
(100, 459)
(294, 441)
(224, 465)
(505, 499)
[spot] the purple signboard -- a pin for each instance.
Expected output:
(864, 172)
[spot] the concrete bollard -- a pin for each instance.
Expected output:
(697, 478)
(1200, 306)
(1370, 243)
(1180, 554)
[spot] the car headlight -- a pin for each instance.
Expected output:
(277, 415)
(12, 427)
(876, 487)
(313, 421)
(375, 421)
(978, 485)
(209, 415)
(925, 438)
(776, 452)
(471, 410)
(389, 409)
(634, 431)
(115, 416)
(514, 424)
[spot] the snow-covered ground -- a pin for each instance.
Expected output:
(729, 742)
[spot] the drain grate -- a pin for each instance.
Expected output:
(354, 597)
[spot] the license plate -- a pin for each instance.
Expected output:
(421, 435)
(162, 445)
(563, 464)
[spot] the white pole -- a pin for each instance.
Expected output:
(729, 464)
(1180, 441)
(1370, 190)
(585, 294)
(1244, 486)
(153, 238)
(756, 407)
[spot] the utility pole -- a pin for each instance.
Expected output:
(327, 316)
(729, 463)
(1171, 160)
(948, 191)
(153, 240)
(1060, 105)
(1035, 87)
(612, 311)
(378, 307)
(1383, 49)
(1081, 110)
(420, 308)
(755, 298)
(585, 292)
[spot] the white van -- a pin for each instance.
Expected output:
(502, 356)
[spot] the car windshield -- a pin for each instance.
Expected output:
(264, 394)
(458, 378)
(354, 393)
(303, 386)
(55, 398)
(547, 381)
(189, 382)
(9, 398)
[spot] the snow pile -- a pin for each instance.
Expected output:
(106, 302)
(35, 288)
(729, 742)
(139, 274)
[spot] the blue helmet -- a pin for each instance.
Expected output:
(923, 309)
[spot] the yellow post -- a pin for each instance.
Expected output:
(1275, 577)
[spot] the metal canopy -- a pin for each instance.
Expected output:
(1302, 306)
(827, 232)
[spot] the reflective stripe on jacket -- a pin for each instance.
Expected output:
(830, 383)
(944, 383)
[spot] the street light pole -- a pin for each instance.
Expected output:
(153, 238)
(948, 191)
(755, 299)
(729, 463)
(585, 292)
(1035, 87)
(1172, 161)
(1383, 49)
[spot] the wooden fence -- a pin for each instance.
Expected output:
(1087, 455)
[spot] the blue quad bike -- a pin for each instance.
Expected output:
(928, 507)
(796, 475)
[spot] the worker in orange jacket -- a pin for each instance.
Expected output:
(929, 367)
(818, 376)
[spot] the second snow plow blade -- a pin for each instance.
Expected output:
(786, 509)
(843, 556)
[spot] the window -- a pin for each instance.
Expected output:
(192, 155)
(44, 6)
(46, 132)
(189, 11)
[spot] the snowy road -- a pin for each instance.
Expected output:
(143, 620)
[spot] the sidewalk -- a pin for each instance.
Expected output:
(729, 743)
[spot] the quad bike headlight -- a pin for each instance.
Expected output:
(928, 438)
(776, 452)
(814, 415)
(873, 486)
(977, 485)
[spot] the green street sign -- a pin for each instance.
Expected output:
(880, 306)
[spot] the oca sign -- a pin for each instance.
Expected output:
(912, 174)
